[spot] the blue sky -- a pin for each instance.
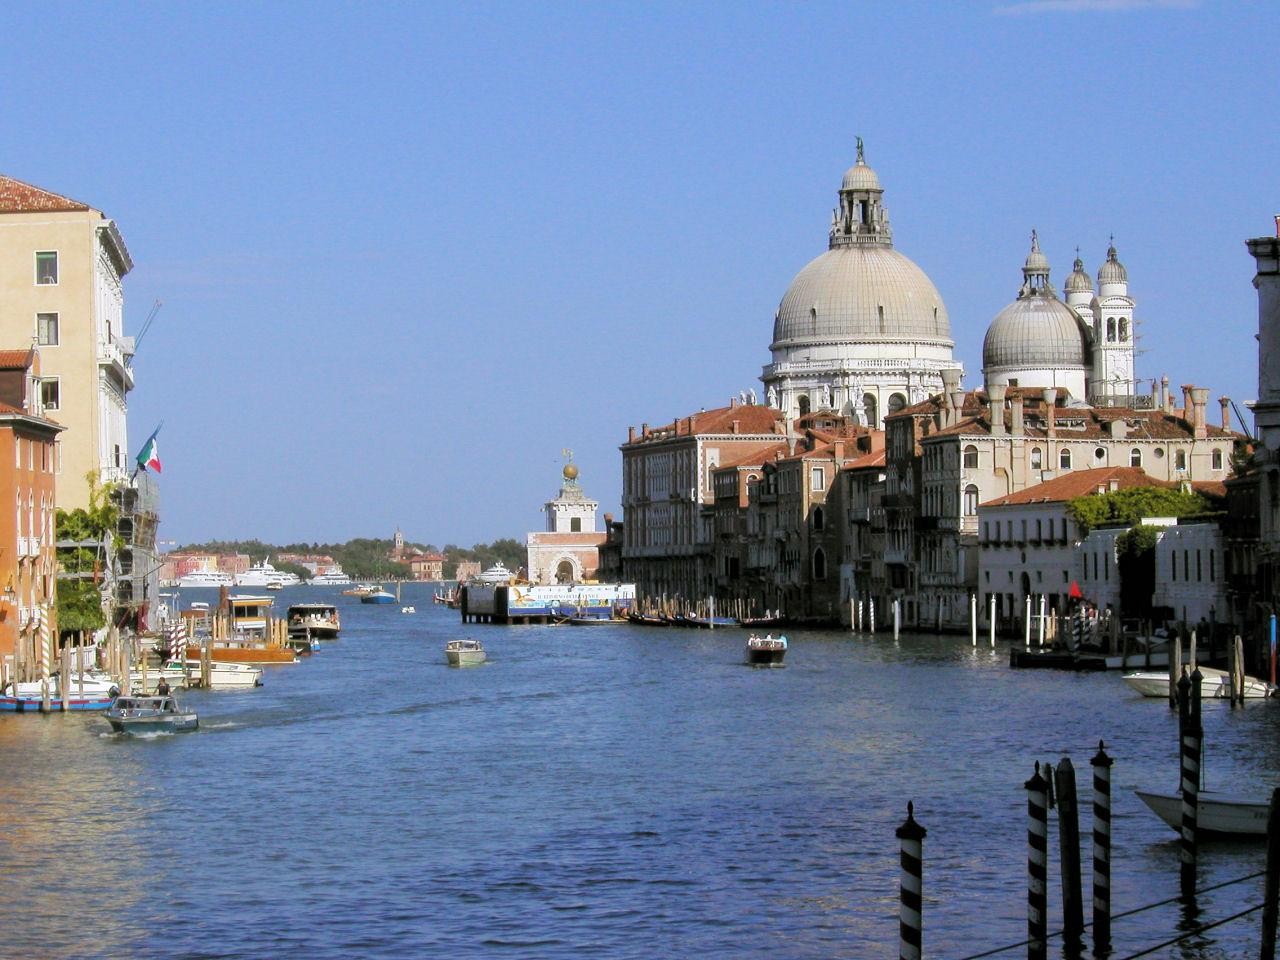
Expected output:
(408, 252)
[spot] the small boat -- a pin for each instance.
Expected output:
(646, 619)
(588, 620)
(252, 655)
(767, 650)
(222, 675)
(378, 596)
(408, 610)
(317, 621)
(25, 701)
(1216, 814)
(360, 590)
(1214, 684)
(162, 714)
(334, 578)
(464, 653)
(768, 620)
(709, 622)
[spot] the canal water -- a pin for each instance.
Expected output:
(604, 792)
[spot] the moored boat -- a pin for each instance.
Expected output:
(767, 650)
(159, 714)
(1214, 684)
(378, 596)
(253, 655)
(317, 621)
(222, 674)
(11, 702)
(1216, 814)
(333, 578)
(464, 653)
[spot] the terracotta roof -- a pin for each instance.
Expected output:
(15, 359)
(747, 459)
(873, 459)
(751, 418)
(586, 538)
(19, 197)
(1092, 423)
(1080, 483)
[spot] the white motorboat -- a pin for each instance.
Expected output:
(318, 621)
(95, 684)
(1214, 684)
(222, 674)
(464, 653)
(767, 650)
(206, 578)
(498, 573)
(1216, 814)
(334, 578)
(264, 575)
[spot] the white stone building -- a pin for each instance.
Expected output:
(568, 551)
(861, 330)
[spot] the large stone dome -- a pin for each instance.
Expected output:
(862, 293)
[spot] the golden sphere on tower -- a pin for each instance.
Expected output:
(570, 472)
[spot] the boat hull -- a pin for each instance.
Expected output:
(251, 655)
(1215, 815)
(464, 658)
(1214, 685)
(27, 704)
(135, 726)
(765, 658)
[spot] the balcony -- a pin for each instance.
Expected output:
(114, 355)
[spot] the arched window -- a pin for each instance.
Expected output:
(819, 564)
(896, 402)
(1135, 457)
(1217, 459)
(971, 456)
(1124, 330)
(971, 500)
(804, 405)
(1064, 459)
(1037, 458)
(1111, 329)
(869, 409)
(819, 518)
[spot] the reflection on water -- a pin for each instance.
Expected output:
(627, 792)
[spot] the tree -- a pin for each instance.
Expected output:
(1133, 504)
(80, 568)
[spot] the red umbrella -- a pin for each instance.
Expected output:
(1075, 593)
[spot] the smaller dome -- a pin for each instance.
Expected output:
(860, 177)
(1037, 262)
(1112, 271)
(1079, 281)
(1035, 333)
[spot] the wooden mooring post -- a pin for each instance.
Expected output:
(1101, 851)
(64, 679)
(911, 886)
(1190, 736)
(1064, 779)
(1037, 863)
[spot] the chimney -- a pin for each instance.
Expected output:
(1199, 406)
(733, 402)
(838, 450)
(1164, 394)
(1186, 402)
(644, 429)
(1016, 409)
(631, 434)
(1119, 429)
(995, 399)
(1050, 395)
(1226, 412)
(1155, 395)
(737, 426)
(957, 406)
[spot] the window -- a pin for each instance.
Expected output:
(896, 402)
(804, 406)
(819, 564)
(819, 519)
(47, 329)
(575, 524)
(1180, 459)
(1217, 459)
(1135, 457)
(1111, 329)
(1064, 459)
(50, 393)
(46, 267)
(971, 500)
(869, 408)
(1124, 330)
(1037, 458)
(817, 479)
(971, 456)
(1099, 453)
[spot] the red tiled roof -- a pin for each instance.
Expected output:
(19, 197)
(1078, 484)
(15, 359)
(873, 459)
(586, 538)
(751, 418)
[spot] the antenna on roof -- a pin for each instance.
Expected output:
(146, 325)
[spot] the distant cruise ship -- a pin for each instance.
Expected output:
(265, 575)
(205, 578)
(334, 578)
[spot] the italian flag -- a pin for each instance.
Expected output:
(150, 455)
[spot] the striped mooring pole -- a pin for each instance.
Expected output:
(1190, 734)
(1037, 864)
(911, 841)
(1101, 851)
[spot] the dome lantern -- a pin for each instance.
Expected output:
(861, 217)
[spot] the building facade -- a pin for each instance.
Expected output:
(568, 551)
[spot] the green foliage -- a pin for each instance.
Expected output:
(1133, 504)
(1137, 541)
(79, 598)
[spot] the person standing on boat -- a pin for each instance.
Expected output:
(162, 688)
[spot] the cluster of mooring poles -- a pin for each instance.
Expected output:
(1051, 787)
